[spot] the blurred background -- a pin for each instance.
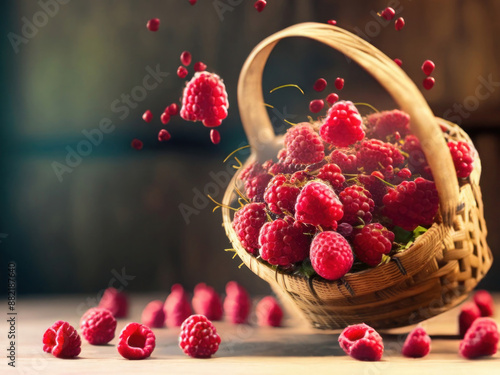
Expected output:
(68, 67)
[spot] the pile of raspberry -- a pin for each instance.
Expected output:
(338, 192)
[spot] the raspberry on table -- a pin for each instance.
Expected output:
(115, 301)
(137, 341)
(177, 306)
(463, 158)
(331, 255)
(481, 339)
(205, 99)
(62, 340)
(343, 125)
(247, 223)
(417, 343)
(389, 122)
(198, 337)
(484, 301)
(303, 145)
(333, 174)
(284, 242)
(237, 303)
(269, 312)
(153, 314)
(346, 161)
(358, 205)
(207, 302)
(98, 326)
(375, 155)
(468, 314)
(373, 241)
(281, 195)
(362, 342)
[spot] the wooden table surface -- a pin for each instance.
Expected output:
(245, 349)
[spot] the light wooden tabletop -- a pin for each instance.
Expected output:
(245, 349)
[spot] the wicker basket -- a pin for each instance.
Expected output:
(443, 265)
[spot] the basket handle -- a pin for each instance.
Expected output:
(423, 124)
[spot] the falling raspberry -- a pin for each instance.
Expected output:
(137, 144)
(182, 72)
(399, 24)
(332, 98)
(320, 84)
(399, 62)
(215, 136)
(316, 105)
(192, 2)
(332, 22)
(339, 83)
(199, 66)
(173, 109)
(165, 118)
(153, 24)
(388, 13)
(428, 83)
(164, 135)
(428, 67)
(186, 58)
(147, 116)
(260, 5)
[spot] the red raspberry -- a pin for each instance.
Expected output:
(182, 72)
(343, 125)
(316, 105)
(247, 223)
(98, 326)
(153, 314)
(215, 136)
(416, 158)
(259, 5)
(317, 204)
(375, 155)
(347, 162)
(147, 116)
(281, 195)
(284, 242)
(153, 24)
(207, 302)
(320, 84)
(199, 66)
(137, 341)
(417, 344)
(198, 337)
(358, 205)
(136, 144)
(177, 306)
(390, 122)
(362, 342)
(484, 302)
(332, 174)
(164, 135)
(237, 303)
(205, 99)
(331, 255)
(115, 301)
(428, 67)
(251, 170)
(186, 58)
(468, 314)
(62, 340)
(480, 340)
(303, 145)
(332, 98)
(375, 186)
(172, 109)
(339, 83)
(412, 203)
(399, 24)
(165, 118)
(428, 83)
(372, 242)
(388, 13)
(255, 187)
(463, 158)
(269, 312)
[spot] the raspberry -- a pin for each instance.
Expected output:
(375, 186)
(172, 109)
(147, 116)
(362, 342)
(62, 340)
(462, 158)
(177, 306)
(331, 255)
(250, 171)
(332, 174)
(332, 98)
(115, 301)
(399, 62)
(416, 158)
(192, 2)
(269, 312)
(375, 155)
(316, 105)
(303, 145)
(388, 13)
(199, 66)
(182, 72)
(428, 67)
(317, 204)
(137, 144)
(198, 337)
(284, 242)
(164, 135)
(259, 5)
(412, 203)
(343, 125)
(247, 223)
(339, 83)
(205, 99)
(468, 314)
(428, 83)
(346, 161)
(207, 302)
(332, 22)
(215, 136)
(98, 326)
(256, 187)
(372, 242)
(300, 178)
(320, 84)
(165, 118)
(281, 195)
(417, 344)
(153, 314)
(399, 24)
(358, 205)
(484, 302)
(390, 122)
(153, 24)
(185, 58)
(480, 340)
(237, 303)
(137, 341)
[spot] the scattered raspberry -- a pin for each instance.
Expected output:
(429, 83)
(399, 62)
(115, 301)
(62, 340)
(331, 255)
(207, 302)
(163, 135)
(284, 242)
(484, 301)
(375, 155)
(237, 303)
(316, 105)
(281, 195)
(372, 242)
(198, 337)
(136, 144)
(428, 67)
(332, 22)
(165, 118)
(186, 58)
(259, 5)
(173, 109)
(153, 24)
(399, 24)
(147, 116)
(358, 205)
(177, 306)
(388, 13)
(153, 314)
(468, 314)
(462, 158)
(269, 312)
(205, 99)
(137, 341)
(98, 326)
(332, 98)
(318, 205)
(182, 72)
(303, 145)
(389, 122)
(343, 125)
(339, 83)
(320, 84)
(362, 342)
(215, 136)
(345, 160)
(199, 66)
(332, 174)
(412, 203)
(417, 344)
(480, 340)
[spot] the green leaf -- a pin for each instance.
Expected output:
(401, 235)
(306, 268)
